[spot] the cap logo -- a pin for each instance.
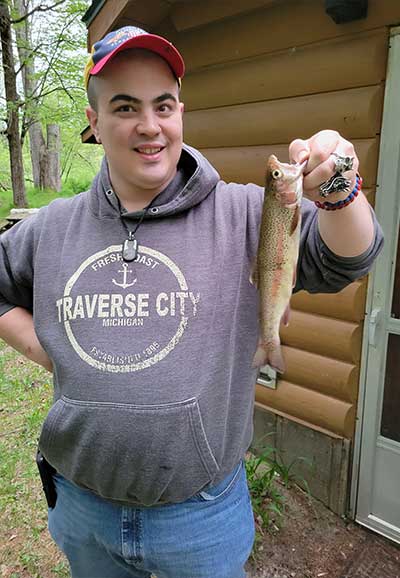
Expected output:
(122, 35)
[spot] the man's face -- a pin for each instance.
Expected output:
(139, 123)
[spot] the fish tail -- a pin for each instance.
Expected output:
(269, 354)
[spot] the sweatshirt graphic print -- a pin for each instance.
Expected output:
(92, 319)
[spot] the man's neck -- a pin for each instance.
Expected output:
(139, 199)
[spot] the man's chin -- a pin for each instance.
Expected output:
(156, 183)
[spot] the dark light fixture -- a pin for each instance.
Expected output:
(346, 10)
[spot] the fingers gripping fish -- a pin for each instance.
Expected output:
(274, 273)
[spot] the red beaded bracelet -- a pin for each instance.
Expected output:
(341, 204)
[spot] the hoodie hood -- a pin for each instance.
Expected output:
(193, 182)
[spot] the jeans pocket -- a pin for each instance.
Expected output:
(223, 488)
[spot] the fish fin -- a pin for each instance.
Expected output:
(295, 220)
(294, 275)
(285, 316)
(254, 275)
(271, 354)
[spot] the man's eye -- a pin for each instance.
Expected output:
(125, 108)
(164, 108)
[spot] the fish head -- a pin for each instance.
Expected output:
(284, 181)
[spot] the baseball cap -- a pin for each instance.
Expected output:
(132, 37)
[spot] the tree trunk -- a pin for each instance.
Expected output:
(14, 143)
(37, 149)
(52, 170)
(36, 138)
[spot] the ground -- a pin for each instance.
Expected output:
(316, 543)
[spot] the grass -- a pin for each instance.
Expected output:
(38, 198)
(26, 549)
(83, 163)
(267, 473)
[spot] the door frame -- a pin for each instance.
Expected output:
(379, 298)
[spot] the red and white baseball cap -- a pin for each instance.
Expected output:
(132, 37)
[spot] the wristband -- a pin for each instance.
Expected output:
(343, 203)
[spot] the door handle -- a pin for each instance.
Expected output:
(374, 320)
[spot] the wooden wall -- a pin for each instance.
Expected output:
(259, 74)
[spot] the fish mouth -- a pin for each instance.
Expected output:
(302, 166)
(288, 198)
(300, 170)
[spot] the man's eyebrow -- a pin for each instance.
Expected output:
(165, 96)
(125, 97)
(129, 98)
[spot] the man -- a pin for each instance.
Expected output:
(143, 309)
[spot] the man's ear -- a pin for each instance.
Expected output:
(92, 117)
(182, 107)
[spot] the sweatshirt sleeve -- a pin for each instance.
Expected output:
(16, 265)
(320, 270)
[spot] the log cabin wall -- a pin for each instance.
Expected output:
(259, 74)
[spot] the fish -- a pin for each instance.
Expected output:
(274, 271)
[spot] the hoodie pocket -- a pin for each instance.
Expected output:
(143, 454)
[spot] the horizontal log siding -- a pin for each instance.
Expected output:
(320, 373)
(355, 113)
(247, 164)
(193, 14)
(279, 74)
(326, 336)
(347, 305)
(311, 407)
(284, 25)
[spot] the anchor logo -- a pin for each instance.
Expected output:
(125, 272)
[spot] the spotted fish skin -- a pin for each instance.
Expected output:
(274, 273)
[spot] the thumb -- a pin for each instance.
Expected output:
(299, 151)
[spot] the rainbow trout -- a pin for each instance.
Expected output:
(274, 273)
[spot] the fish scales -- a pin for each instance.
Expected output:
(275, 269)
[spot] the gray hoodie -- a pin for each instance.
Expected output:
(153, 377)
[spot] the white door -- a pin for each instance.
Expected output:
(376, 473)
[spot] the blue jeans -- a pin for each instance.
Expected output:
(208, 536)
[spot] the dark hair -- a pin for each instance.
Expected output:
(92, 92)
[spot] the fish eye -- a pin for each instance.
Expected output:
(276, 174)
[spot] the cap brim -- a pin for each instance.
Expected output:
(151, 42)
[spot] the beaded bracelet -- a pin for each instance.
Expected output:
(341, 204)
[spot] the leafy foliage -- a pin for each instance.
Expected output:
(57, 48)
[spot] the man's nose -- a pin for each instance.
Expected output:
(148, 124)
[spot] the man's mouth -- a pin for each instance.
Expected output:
(145, 150)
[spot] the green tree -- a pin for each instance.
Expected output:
(50, 41)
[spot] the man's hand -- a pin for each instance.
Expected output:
(321, 162)
(348, 231)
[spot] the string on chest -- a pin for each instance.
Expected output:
(130, 246)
